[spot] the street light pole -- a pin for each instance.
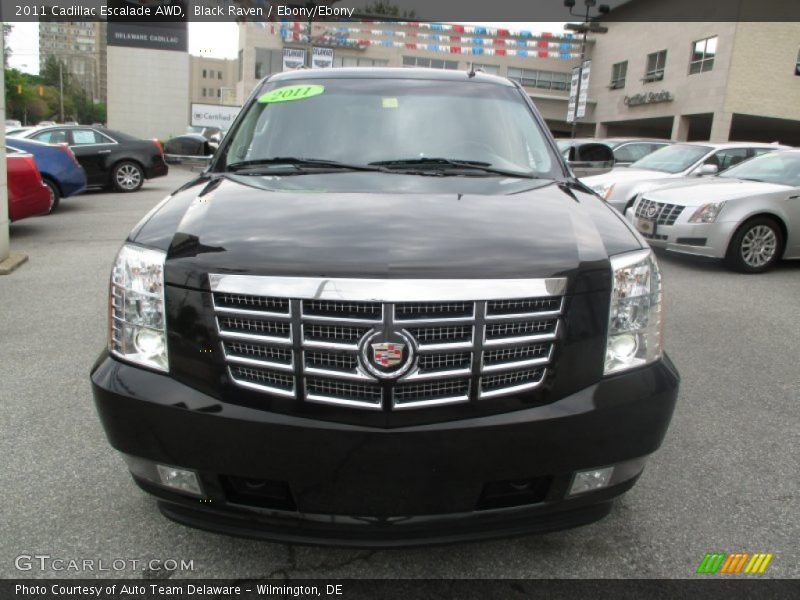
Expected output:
(580, 76)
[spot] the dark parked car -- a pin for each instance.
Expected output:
(28, 196)
(386, 314)
(110, 158)
(61, 172)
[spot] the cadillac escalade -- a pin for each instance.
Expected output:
(385, 314)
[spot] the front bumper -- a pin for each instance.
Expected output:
(367, 486)
(158, 168)
(700, 239)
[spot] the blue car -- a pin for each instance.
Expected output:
(60, 170)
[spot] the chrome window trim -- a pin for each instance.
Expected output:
(387, 290)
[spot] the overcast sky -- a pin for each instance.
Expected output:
(217, 40)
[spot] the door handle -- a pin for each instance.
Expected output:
(104, 151)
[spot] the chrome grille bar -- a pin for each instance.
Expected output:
(305, 338)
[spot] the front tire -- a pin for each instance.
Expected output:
(127, 176)
(55, 194)
(756, 246)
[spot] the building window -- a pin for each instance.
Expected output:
(618, 73)
(545, 80)
(358, 61)
(204, 92)
(268, 62)
(703, 52)
(491, 69)
(219, 74)
(797, 65)
(219, 93)
(429, 63)
(655, 66)
(204, 73)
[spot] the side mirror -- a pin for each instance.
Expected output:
(707, 169)
(591, 158)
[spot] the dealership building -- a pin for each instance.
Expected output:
(715, 81)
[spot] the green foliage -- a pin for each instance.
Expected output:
(30, 106)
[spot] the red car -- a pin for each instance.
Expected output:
(27, 193)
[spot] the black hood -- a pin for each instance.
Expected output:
(501, 229)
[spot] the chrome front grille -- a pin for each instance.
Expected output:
(313, 345)
(666, 214)
(344, 335)
(411, 311)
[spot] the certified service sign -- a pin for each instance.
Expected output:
(214, 115)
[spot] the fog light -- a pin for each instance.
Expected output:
(587, 481)
(179, 479)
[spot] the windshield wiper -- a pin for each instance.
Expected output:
(449, 163)
(298, 163)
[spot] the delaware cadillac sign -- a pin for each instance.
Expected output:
(648, 98)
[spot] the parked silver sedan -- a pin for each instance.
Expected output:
(748, 215)
(621, 185)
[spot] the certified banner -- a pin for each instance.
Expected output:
(573, 94)
(293, 58)
(321, 58)
(584, 95)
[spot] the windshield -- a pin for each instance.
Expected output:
(672, 159)
(394, 121)
(781, 167)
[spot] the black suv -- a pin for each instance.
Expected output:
(386, 314)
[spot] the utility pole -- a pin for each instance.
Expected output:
(61, 89)
(583, 29)
(8, 262)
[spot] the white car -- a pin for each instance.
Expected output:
(620, 186)
(748, 215)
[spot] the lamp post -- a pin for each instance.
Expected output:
(583, 28)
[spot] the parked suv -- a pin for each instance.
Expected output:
(386, 314)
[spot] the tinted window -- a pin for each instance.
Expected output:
(727, 158)
(369, 120)
(672, 159)
(52, 136)
(632, 152)
(778, 167)
(84, 137)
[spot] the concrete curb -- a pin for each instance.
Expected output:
(12, 263)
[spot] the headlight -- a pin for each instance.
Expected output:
(604, 190)
(707, 213)
(136, 329)
(635, 318)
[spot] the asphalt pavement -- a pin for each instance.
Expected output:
(725, 480)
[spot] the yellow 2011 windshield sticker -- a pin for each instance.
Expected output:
(291, 92)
